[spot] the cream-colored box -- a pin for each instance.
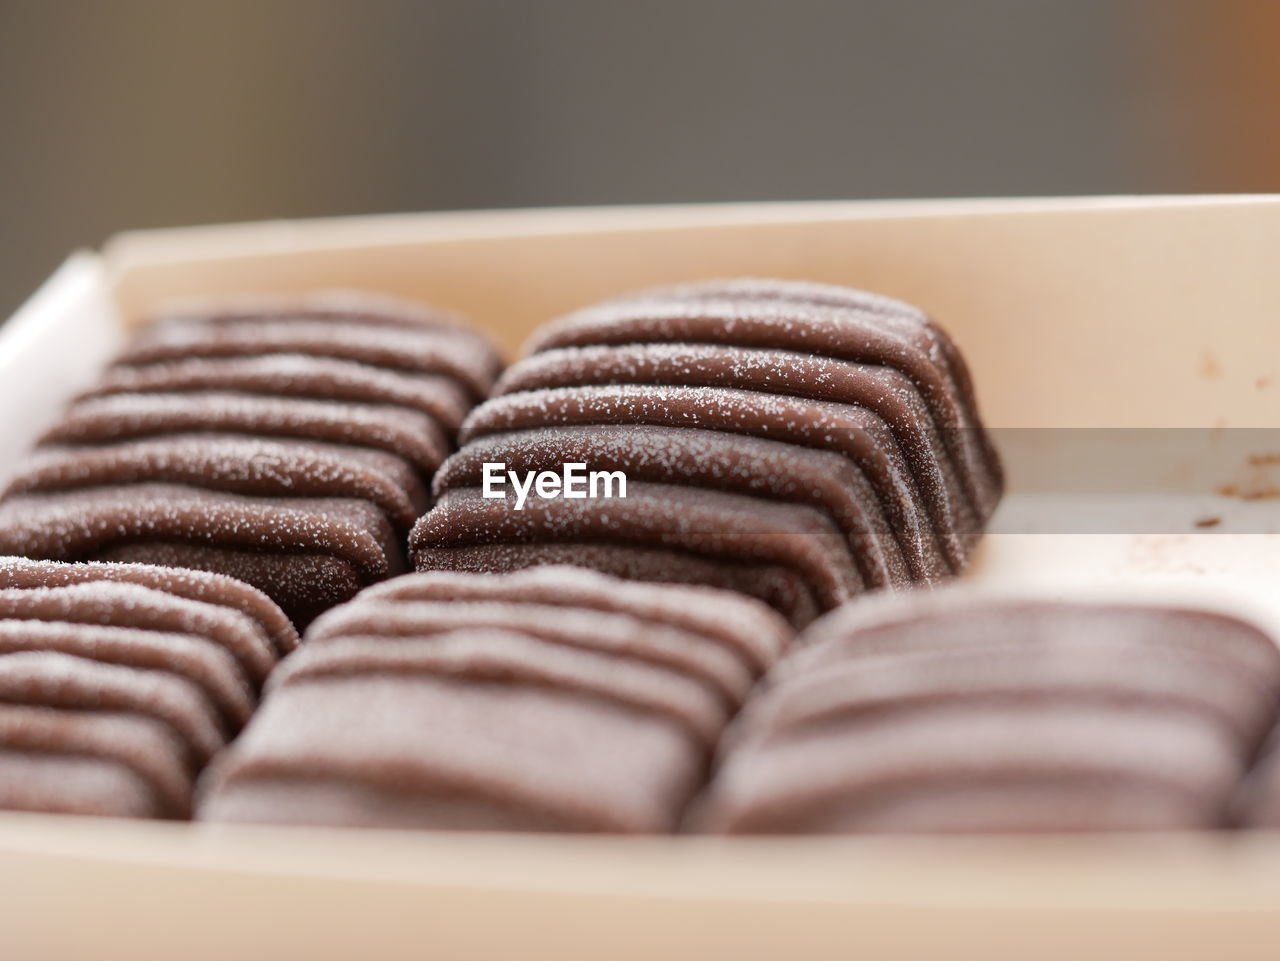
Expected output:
(1111, 312)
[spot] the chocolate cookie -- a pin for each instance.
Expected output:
(1004, 768)
(291, 448)
(816, 319)
(119, 682)
(958, 714)
(772, 392)
(499, 756)
(556, 699)
(955, 497)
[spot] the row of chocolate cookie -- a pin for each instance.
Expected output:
(552, 699)
(951, 713)
(798, 442)
(119, 682)
(563, 700)
(287, 443)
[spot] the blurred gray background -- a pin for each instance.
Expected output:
(121, 114)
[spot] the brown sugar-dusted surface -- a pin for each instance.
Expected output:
(303, 585)
(206, 664)
(207, 588)
(752, 632)
(296, 375)
(74, 526)
(115, 690)
(48, 679)
(237, 465)
(143, 608)
(551, 699)
(772, 394)
(120, 417)
(851, 432)
(1258, 799)
(100, 763)
(698, 521)
(817, 319)
(607, 633)
(499, 758)
(955, 714)
(109, 523)
(734, 464)
(291, 449)
(882, 391)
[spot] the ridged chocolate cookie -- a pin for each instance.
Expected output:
(290, 448)
(818, 319)
(770, 392)
(556, 699)
(118, 683)
(879, 400)
(951, 714)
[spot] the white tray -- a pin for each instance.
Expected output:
(1113, 312)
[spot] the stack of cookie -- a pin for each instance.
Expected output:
(955, 714)
(794, 441)
(119, 682)
(287, 444)
(552, 699)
